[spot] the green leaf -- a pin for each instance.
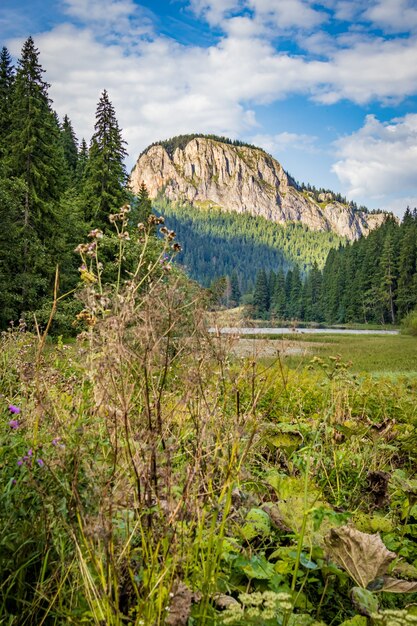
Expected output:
(364, 601)
(358, 620)
(258, 524)
(256, 567)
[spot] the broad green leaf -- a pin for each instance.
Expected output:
(364, 601)
(258, 524)
(257, 567)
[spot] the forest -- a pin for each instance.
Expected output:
(53, 189)
(372, 280)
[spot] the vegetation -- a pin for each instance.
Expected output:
(51, 191)
(149, 478)
(373, 280)
(180, 141)
(216, 244)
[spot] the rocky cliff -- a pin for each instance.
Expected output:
(207, 172)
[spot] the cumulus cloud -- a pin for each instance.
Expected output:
(281, 142)
(393, 15)
(380, 160)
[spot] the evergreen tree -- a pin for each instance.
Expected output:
(278, 298)
(6, 84)
(261, 295)
(36, 155)
(143, 206)
(70, 145)
(82, 160)
(407, 298)
(105, 187)
(35, 158)
(389, 276)
(235, 293)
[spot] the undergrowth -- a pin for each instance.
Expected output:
(147, 477)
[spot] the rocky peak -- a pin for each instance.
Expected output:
(207, 172)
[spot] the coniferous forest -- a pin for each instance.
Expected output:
(53, 189)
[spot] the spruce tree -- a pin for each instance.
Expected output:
(35, 150)
(6, 84)
(143, 206)
(235, 294)
(70, 146)
(35, 159)
(278, 298)
(105, 186)
(261, 295)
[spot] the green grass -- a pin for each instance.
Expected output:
(375, 354)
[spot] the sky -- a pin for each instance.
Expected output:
(329, 88)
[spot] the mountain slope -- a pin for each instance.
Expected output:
(208, 172)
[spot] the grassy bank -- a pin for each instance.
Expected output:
(373, 354)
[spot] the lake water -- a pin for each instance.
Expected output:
(230, 330)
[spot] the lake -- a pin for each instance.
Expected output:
(230, 330)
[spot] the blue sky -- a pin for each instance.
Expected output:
(328, 87)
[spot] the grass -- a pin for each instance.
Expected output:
(373, 354)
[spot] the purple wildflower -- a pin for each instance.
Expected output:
(56, 441)
(20, 462)
(40, 462)
(30, 453)
(13, 408)
(14, 424)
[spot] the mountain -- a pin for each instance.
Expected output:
(211, 172)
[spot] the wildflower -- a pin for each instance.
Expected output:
(141, 226)
(81, 248)
(14, 424)
(40, 462)
(124, 235)
(176, 247)
(96, 233)
(13, 408)
(20, 462)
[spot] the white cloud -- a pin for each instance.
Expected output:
(371, 70)
(379, 161)
(286, 14)
(119, 21)
(281, 142)
(393, 15)
(215, 11)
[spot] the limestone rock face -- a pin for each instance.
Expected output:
(208, 173)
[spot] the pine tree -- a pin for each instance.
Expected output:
(82, 160)
(406, 297)
(235, 294)
(105, 187)
(144, 205)
(35, 158)
(389, 276)
(6, 84)
(278, 298)
(261, 295)
(36, 154)
(70, 146)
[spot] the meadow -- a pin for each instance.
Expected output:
(148, 476)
